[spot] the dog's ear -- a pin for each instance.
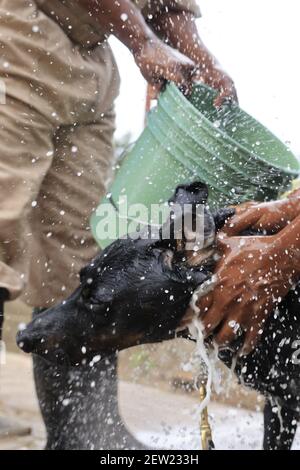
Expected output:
(194, 193)
(189, 224)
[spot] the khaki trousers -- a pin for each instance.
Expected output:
(56, 132)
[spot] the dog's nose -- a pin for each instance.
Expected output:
(32, 343)
(26, 341)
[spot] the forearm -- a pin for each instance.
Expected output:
(122, 19)
(287, 248)
(180, 31)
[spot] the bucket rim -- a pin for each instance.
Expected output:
(264, 169)
(174, 90)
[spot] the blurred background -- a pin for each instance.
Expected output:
(258, 43)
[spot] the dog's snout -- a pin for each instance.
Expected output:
(23, 341)
(27, 341)
(30, 342)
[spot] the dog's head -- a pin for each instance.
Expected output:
(136, 291)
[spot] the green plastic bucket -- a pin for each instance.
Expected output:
(212, 129)
(245, 131)
(187, 140)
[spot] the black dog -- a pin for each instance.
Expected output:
(138, 290)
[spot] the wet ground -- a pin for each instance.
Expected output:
(158, 418)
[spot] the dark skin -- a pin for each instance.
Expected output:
(270, 217)
(183, 60)
(180, 31)
(254, 273)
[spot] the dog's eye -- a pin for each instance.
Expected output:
(88, 297)
(93, 300)
(95, 295)
(86, 284)
(86, 292)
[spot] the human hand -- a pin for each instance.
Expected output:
(253, 275)
(158, 62)
(268, 217)
(214, 76)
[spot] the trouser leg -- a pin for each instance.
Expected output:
(79, 406)
(24, 137)
(25, 140)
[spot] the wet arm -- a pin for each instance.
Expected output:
(179, 29)
(288, 245)
(122, 19)
(156, 60)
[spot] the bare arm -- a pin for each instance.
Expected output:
(181, 32)
(267, 217)
(157, 61)
(288, 242)
(122, 19)
(254, 274)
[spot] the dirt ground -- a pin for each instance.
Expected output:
(159, 419)
(156, 417)
(17, 400)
